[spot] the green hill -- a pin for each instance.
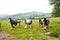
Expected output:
(28, 15)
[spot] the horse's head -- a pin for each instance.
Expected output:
(9, 18)
(45, 19)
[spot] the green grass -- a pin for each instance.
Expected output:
(21, 33)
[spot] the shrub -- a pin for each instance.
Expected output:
(55, 34)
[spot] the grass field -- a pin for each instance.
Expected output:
(34, 31)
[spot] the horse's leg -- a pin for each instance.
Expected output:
(15, 24)
(19, 23)
(30, 25)
(40, 25)
(26, 26)
(45, 27)
(12, 26)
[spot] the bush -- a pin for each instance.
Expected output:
(54, 34)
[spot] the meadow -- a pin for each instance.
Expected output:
(34, 31)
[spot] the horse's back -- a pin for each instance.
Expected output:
(28, 21)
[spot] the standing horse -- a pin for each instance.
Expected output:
(28, 22)
(44, 21)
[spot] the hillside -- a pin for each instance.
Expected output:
(3, 15)
(27, 15)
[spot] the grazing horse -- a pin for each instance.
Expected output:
(14, 22)
(28, 22)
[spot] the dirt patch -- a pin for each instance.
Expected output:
(52, 38)
(42, 33)
(48, 37)
(31, 38)
(6, 36)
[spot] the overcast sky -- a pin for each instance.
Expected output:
(23, 6)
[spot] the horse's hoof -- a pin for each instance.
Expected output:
(11, 28)
(25, 27)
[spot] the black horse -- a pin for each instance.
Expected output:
(14, 22)
(45, 22)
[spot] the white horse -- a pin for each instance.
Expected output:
(28, 22)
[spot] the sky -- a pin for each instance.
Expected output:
(22, 6)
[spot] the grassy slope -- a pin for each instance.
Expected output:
(23, 34)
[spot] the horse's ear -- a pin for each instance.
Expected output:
(9, 18)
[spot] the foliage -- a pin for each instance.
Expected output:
(26, 15)
(56, 9)
(54, 34)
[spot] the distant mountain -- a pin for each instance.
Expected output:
(3, 15)
(26, 15)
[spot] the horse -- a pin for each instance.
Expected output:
(14, 22)
(44, 21)
(28, 22)
(41, 22)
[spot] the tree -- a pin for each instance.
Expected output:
(56, 9)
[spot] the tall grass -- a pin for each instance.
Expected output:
(20, 32)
